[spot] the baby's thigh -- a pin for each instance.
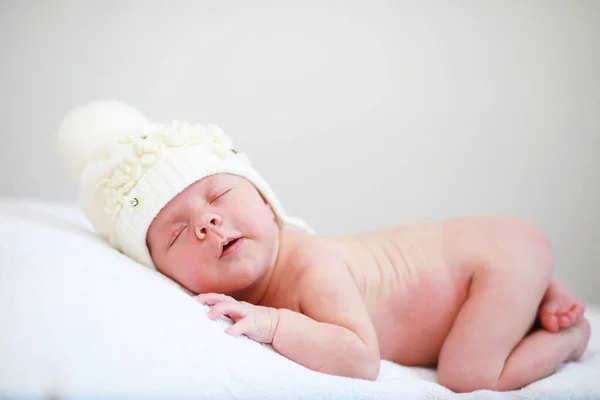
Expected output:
(502, 305)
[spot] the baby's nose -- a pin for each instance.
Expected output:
(207, 221)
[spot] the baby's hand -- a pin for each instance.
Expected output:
(257, 322)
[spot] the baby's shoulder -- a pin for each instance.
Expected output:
(324, 279)
(316, 252)
(319, 264)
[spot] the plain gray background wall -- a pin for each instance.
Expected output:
(360, 114)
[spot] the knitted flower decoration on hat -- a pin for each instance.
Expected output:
(129, 168)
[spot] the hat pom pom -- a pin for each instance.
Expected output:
(87, 131)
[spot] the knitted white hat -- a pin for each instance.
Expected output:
(129, 168)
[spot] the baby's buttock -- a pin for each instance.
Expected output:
(414, 281)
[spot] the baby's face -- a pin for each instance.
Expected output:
(218, 235)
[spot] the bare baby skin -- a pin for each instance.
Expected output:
(471, 296)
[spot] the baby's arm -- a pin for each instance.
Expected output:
(334, 334)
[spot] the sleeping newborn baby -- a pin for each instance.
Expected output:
(472, 296)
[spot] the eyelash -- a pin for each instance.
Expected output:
(177, 236)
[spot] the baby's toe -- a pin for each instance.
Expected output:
(549, 308)
(562, 310)
(578, 312)
(550, 322)
(564, 321)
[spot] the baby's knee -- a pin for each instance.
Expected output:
(459, 380)
(527, 246)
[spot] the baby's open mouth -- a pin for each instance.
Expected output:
(228, 244)
(231, 246)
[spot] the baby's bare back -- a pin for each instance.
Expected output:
(414, 279)
(460, 294)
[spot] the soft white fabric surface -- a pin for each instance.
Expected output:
(79, 320)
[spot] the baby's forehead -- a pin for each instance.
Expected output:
(216, 180)
(208, 183)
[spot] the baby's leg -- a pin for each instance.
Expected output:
(485, 347)
(560, 308)
(540, 353)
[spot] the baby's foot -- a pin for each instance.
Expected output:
(559, 308)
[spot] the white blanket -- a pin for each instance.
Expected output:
(79, 320)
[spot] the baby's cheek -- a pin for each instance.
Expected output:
(260, 225)
(178, 261)
(187, 272)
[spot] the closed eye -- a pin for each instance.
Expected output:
(177, 235)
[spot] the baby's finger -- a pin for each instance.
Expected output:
(241, 327)
(234, 310)
(210, 299)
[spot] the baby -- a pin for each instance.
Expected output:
(473, 296)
